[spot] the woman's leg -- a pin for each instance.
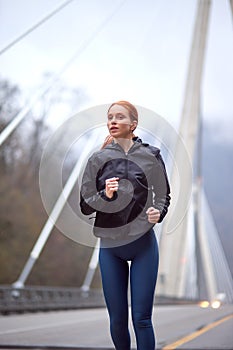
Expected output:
(114, 273)
(143, 276)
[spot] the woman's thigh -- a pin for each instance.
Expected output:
(114, 274)
(143, 275)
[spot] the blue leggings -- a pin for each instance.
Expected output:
(143, 254)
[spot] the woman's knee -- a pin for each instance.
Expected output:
(141, 320)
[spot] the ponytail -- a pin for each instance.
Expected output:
(107, 141)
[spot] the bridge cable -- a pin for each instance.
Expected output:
(23, 113)
(35, 26)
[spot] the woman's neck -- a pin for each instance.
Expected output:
(126, 144)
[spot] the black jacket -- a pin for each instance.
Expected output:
(143, 183)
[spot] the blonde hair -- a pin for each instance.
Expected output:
(133, 113)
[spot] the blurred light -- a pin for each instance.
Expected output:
(204, 304)
(215, 304)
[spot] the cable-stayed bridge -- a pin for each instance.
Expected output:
(193, 265)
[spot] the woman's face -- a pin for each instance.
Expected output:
(119, 122)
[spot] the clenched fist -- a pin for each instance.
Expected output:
(111, 186)
(153, 215)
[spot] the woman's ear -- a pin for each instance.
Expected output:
(134, 125)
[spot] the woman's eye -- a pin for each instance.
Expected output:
(120, 117)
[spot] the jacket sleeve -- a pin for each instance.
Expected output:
(92, 200)
(161, 187)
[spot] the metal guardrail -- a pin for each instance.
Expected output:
(44, 298)
(39, 298)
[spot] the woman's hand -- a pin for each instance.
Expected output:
(153, 215)
(111, 186)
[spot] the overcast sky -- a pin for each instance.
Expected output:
(140, 54)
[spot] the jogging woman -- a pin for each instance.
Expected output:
(126, 185)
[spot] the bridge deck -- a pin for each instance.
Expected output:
(88, 329)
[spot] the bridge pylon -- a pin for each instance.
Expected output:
(186, 250)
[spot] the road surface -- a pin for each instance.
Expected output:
(177, 327)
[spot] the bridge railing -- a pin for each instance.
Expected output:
(44, 298)
(39, 298)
